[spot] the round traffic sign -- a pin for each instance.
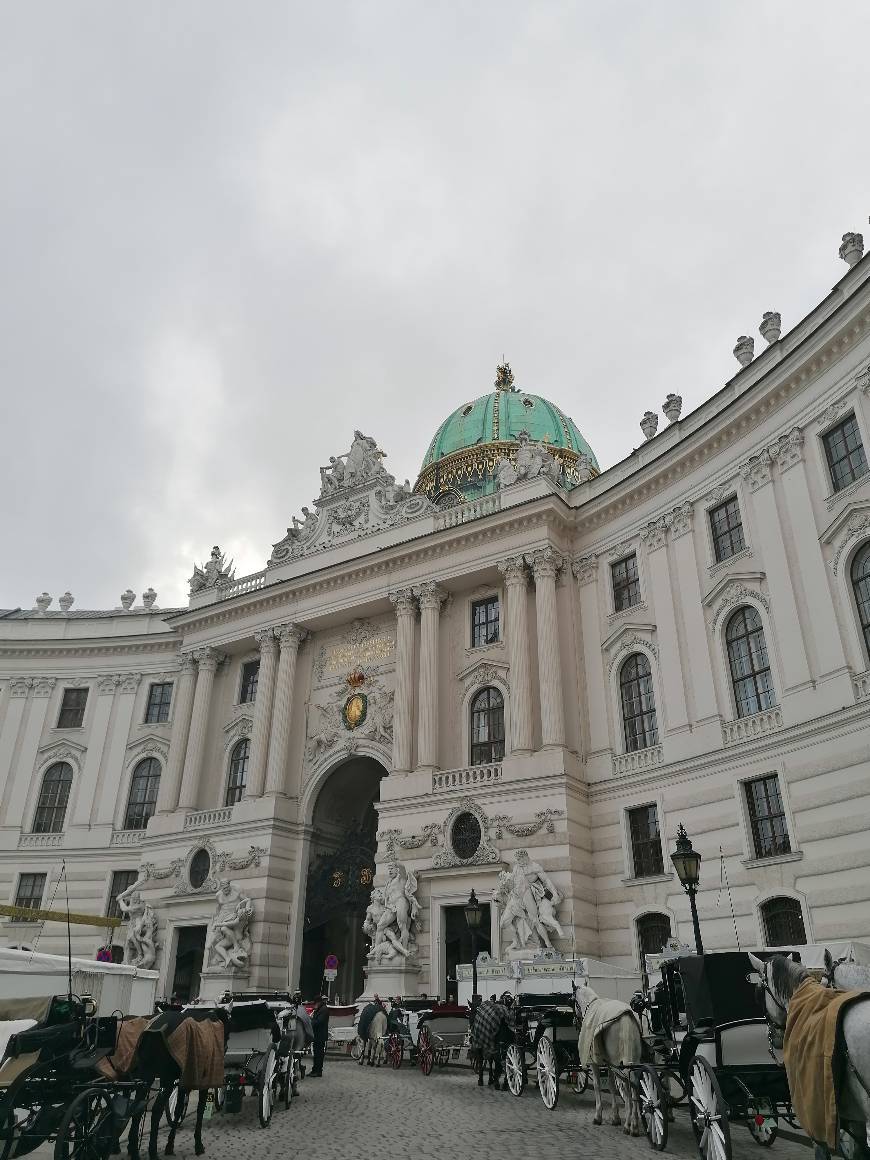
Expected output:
(331, 962)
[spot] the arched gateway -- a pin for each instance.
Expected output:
(341, 869)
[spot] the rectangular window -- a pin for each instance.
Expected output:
(250, 676)
(484, 622)
(727, 529)
(121, 879)
(845, 453)
(626, 586)
(646, 844)
(31, 888)
(72, 709)
(767, 817)
(159, 700)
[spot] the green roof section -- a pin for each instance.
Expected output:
(502, 415)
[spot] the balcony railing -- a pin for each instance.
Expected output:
(474, 775)
(861, 682)
(205, 818)
(40, 841)
(746, 728)
(242, 585)
(639, 760)
(126, 837)
(463, 512)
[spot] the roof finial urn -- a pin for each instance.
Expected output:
(852, 248)
(42, 602)
(649, 424)
(148, 598)
(66, 601)
(672, 406)
(771, 326)
(744, 351)
(127, 599)
(504, 380)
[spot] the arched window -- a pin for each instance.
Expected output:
(487, 727)
(747, 658)
(53, 798)
(653, 931)
(783, 922)
(142, 801)
(638, 704)
(238, 771)
(861, 588)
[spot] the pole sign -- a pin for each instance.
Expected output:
(331, 963)
(330, 974)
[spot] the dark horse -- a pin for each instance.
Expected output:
(154, 1060)
(489, 1045)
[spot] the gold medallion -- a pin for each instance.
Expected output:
(355, 709)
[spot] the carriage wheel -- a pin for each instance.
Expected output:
(287, 1082)
(86, 1129)
(357, 1050)
(265, 1091)
(709, 1112)
(653, 1106)
(281, 1083)
(763, 1124)
(581, 1080)
(515, 1070)
(176, 1106)
(395, 1051)
(548, 1072)
(425, 1051)
(16, 1125)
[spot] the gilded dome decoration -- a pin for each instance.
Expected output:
(461, 461)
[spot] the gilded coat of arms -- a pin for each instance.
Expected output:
(356, 707)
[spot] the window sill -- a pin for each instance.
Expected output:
(834, 498)
(474, 649)
(648, 880)
(721, 565)
(773, 860)
(639, 607)
(66, 729)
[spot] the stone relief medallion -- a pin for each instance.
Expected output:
(355, 710)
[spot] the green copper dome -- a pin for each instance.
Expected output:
(470, 441)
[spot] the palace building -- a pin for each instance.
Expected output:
(519, 652)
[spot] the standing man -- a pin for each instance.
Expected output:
(320, 1023)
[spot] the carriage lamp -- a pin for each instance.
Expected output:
(687, 863)
(473, 915)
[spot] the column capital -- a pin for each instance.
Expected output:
(655, 534)
(682, 520)
(513, 568)
(208, 659)
(187, 663)
(265, 638)
(430, 595)
(545, 562)
(290, 635)
(20, 686)
(585, 568)
(403, 601)
(42, 686)
(789, 449)
(758, 470)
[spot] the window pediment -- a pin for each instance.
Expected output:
(852, 523)
(151, 745)
(631, 628)
(69, 751)
(483, 673)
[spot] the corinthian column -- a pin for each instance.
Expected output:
(207, 660)
(403, 700)
(431, 598)
(545, 563)
(290, 636)
(265, 638)
(167, 795)
(516, 580)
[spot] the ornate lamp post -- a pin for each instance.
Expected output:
(473, 915)
(687, 863)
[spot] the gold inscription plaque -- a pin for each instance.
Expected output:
(342, 657)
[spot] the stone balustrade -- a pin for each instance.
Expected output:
(464, 512)
(861, 681)
(203, 819)
(239, 587)
(127, 837)
(39, 841)
(746, 728)
(474, 775)
(639, 760)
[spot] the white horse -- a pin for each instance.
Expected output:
(845, 976)
(780, 978)
(375, 1043)
(614, 1044)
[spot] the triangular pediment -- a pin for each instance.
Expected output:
(857, 509)
(471, 669)
(629, 628)
(61, 749)
(740, 578)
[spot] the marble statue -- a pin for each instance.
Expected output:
(391, 920)
(228, 944)
(528, 901)
(532, 460)
(140, 943)
(215, 571)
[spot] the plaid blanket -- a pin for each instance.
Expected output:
(487, 1023)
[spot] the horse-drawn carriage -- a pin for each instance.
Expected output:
(442, 1033)
(264, 1050)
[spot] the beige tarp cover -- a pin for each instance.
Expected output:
(12, 1068)
(36, 1008)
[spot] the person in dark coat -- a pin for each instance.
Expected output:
(320, 1023)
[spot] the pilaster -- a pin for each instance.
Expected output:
(516, 582)
(38, 704)
(545, 563)
(170, 780)
(268, 646)
(430, 598)
(403, 699)
(674, 711)
(289, 637)
(586, 571)
(207, 661)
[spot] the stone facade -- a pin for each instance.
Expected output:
(361, 622)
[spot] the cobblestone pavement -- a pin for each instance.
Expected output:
(355, 1112)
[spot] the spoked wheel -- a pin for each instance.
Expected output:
(87, 1128)
(395, 1051)
(581, 1081)
(357, 1050)
(265, 1093)
(425, 1051)
(653, 1106)
(763, 1124)
(16, 1124)
(515, 1070)
(176, 1106)
(287, 1082)
(280, 1083)
(709, 1112)
(548, 1072)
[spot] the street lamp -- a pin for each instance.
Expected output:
(473, 915)
(687, 863)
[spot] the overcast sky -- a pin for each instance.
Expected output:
(232, 233)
